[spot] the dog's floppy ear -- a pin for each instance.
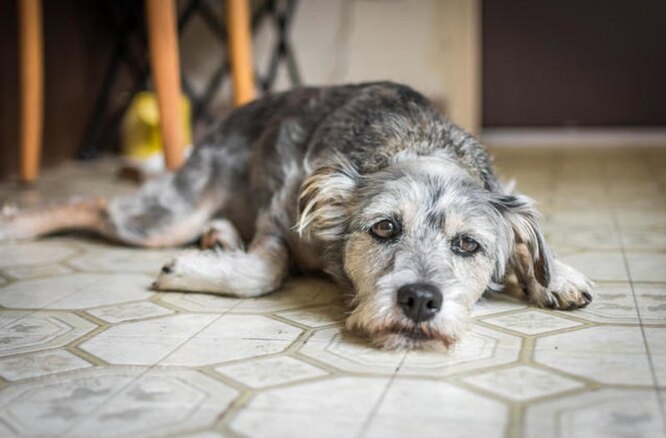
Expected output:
(523, 218)
(323, 202)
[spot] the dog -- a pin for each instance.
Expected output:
(366, 182)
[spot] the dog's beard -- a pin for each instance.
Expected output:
(400, 336)
(395, 332)
(382, 322)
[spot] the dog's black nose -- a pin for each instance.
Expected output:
(419, 301)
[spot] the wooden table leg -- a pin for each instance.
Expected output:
(165, 66)
(32, 86)
(240, 49)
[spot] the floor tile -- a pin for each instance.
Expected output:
(349, 352)
(76, 291)
(315, 317)
(40, 364)
(174, 357)
(436, 409)
(160, 402)
(600, 413)
(651, 300)
(107, 258)
(23, 332)
(479, 348)
(271, 371)
(522, 383)
(234, 337)
(34, 253)
(129, 311)
(51, 407)
(656, 342)
(612, 303)
(38, 271)
(532, 322)
(647, 266)
(145, 342)
(597, 265)
(613, 355)
(294, 294)
(199, 302)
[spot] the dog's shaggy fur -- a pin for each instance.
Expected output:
(367, 182)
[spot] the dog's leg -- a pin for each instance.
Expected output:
(221, 233)
(82, 214)
(567, 289)
(257, 271)
(546, 281)
(167, 212)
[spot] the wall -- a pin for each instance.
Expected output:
(431, 45)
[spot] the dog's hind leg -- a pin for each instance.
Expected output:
(172, 210)
(257, 271)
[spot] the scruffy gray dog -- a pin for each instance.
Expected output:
(366, 182)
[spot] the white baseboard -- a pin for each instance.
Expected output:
(574, 137)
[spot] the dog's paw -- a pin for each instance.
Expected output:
(221, 234)
(568, 289)
(174, 274)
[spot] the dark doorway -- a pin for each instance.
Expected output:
(574, 63)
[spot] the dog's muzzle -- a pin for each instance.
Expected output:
(419, 301)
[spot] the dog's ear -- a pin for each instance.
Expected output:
(323, 202)
(523, 219)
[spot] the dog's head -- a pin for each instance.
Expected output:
(420, 241)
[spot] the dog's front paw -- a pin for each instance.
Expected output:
(173, 275)
(568, 289)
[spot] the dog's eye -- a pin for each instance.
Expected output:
(385, 229)
(464, 245)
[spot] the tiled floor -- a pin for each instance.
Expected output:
(87, 350)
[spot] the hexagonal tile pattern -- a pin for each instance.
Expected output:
(602, 413)
(234, 337)
(129, 311)
(270, 371)
(87, 349)
(114, 401)
(40, 364)
(76, 291)
(315, 317)
(492, 303)
(613, 355)
(522, 383)
(346, 351)
(145, 342)
(532, 322)
(297, 410)
(479, 348)
(22, 332)
(199, 302)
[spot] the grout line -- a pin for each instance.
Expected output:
(618, 228)
(375, 408)
(138, 377)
